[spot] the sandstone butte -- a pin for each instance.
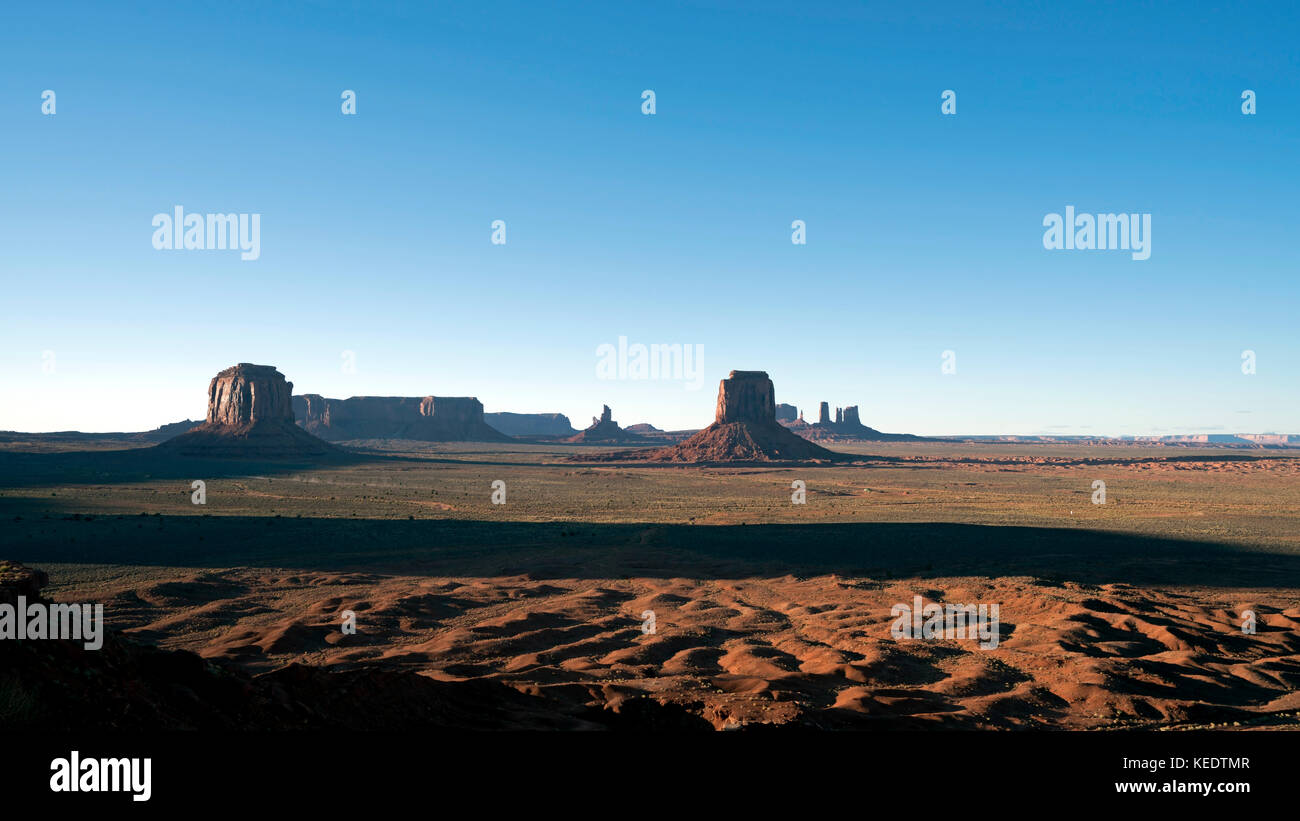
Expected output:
(744, 430)
(604, 429)
(250, 415)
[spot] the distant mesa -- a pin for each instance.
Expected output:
(846, 426)
(744, 430)
(419, 418)
(786, 413)
(531, 424)
(249, 416)
(643, 428)
(604, 430)
(172, 429)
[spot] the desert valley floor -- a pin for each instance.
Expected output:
(1126, 614)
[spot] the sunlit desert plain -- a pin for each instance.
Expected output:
(601, 588)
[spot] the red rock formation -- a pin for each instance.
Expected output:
(56, 686)
(744, 430)
(249, 393)
(18, 580)
(603, 430)
(746, 396)
(530, 424)
(847, 427)
(250, 415)
(420, 418)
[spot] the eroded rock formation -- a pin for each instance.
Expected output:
(250, 415)
(128, 685)
(744, 430)
(746, 396)
(248, 393)
(530, 424)
(786, 413)
(847, 427)
(421, 418)
(604, 429)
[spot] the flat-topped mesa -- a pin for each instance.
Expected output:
(745, 430)
(420, 418)
(249, 393)
(455, 411)
(851, 416)
(530, 424)
(250, 415)
(746, 396)
(786, 413)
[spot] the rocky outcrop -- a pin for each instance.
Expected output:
(19, 581)
(247, 394)
(847, 427)
(604, 430)
(56, 685)
(746, 396)
(421, 418)
(164, 432)
(530, 424)
(786, 413)
(250, 415)
(744, 430)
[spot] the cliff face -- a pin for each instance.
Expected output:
(530, 424)
(250, 415)
(744, 430)
(604, 429)
(786, 413)
(746, 396)
(421, 418)
(248, 393)
(847, 427)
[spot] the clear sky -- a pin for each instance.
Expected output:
(924, 230)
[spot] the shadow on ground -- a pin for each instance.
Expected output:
(446, 547)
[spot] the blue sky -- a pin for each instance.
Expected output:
(924, 231)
